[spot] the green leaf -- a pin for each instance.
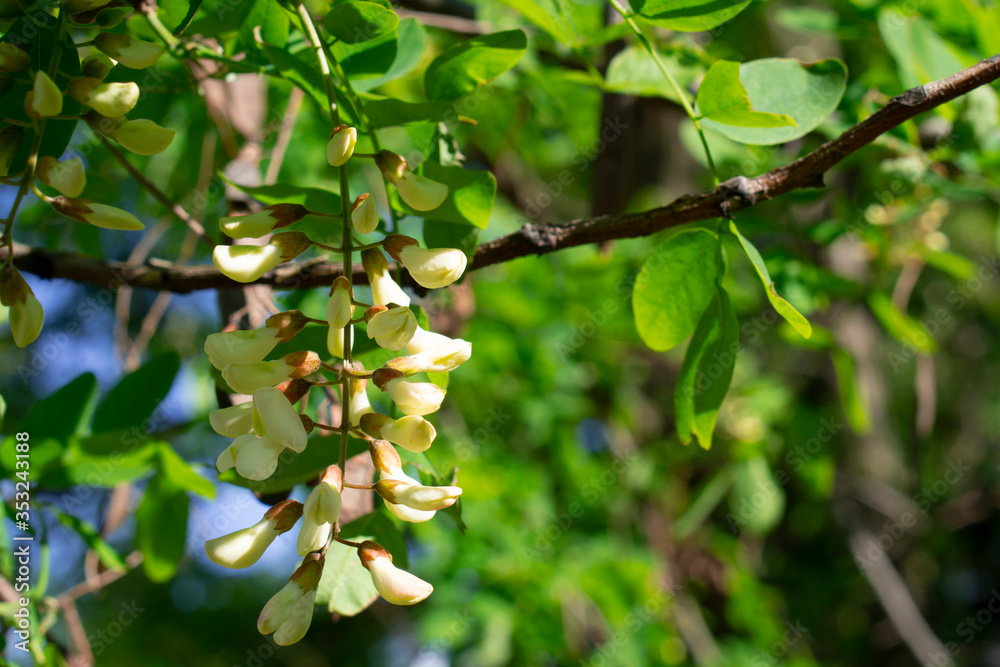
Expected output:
(807, 92)
(105, 552)
(161, 528)
(320, 453)
(179, 473)
(74, 402)
(901, 326)
(470, 195)
(785, 309)
(135, 398)
(411, 42)
(391, 112)
(106, 460)
(707, 371)
(723, 99)
(545, 14)
(346, 586)
(464, 67)
(303, 73)
(354, 22)
(757, 502)
(855, 407)
(634, 72)
(374, 57)
(688, 15)
(273, 22)
(674, 287)
(440, 234)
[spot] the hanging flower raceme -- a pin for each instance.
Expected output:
(98, 215)
(132, 53)
(245, 547)
(418, 192)
(262, 222)
(321, 511)
(289, 613)
(341, 145)
(430, 268)
(384, 288)
(26, 314)
(394, 585)
(67, 177)
(247, 263)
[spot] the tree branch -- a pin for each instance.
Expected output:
(539, 239)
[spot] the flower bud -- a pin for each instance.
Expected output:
(288, 614)
(413, 398)
(10, 142)
(108, 99)
(359, 404)
(26, 314)
(276, 419)
(394, 585)
(341, 146)
(132, 53)
(287, 324)
(364, 215)
(99, 215)
(143, 136)
(321, 511)
(339, 309)
(335, 341)
(13, 59)
(385, 457)
(47, 99)
(430, 268)
(262, 222)
(232, 422)
(256, 458)
(411, 493)
(66, 177)
(245, 547)
(384, 288)
(295, 389)
(413, 433)
(392, 328)
(97, 66)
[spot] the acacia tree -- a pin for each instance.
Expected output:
(325, 369)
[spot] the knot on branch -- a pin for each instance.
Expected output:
(543, 237)
(912, 97)
(736, 193)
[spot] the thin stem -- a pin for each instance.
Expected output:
(160, 29)
(367, 487)
(347, 542)
(678, 90)
(327, 427)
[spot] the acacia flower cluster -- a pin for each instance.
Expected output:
(106, 105)
(268, 426)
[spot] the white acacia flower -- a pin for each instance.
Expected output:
(67, 177)
(394, 585)
(433, 268)
(321, 511)
(413, 398)
(288, 614)
(26, 313)
(245, 547)
(257, 458)
(442, 358)
(240, 346)
(108, 99)
(339, 309)
(412, 432)
(359, 403)
(404, 490)
(276, 419)
(99, 215)
(246, 263)
(47, 99)
(132, 53)
(384, 289)
(424, 340)
(391, 328)
(419, 192)
(249, 376)
(143, 136)
(265, 221)
(234, 421)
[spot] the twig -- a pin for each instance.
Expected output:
(158, 194)
(539, 239)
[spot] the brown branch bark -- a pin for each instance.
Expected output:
(539, 239)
